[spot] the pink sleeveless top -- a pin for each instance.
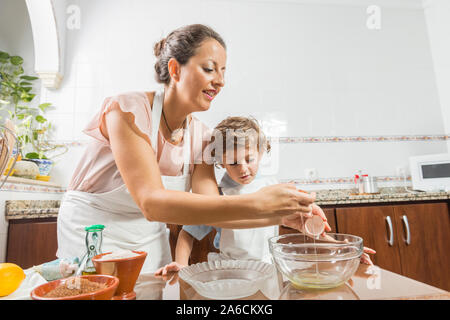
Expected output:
(97, 171)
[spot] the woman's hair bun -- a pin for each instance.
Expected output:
(159, 46)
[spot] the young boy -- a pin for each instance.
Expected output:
(243, 144)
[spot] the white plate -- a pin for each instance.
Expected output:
(227, 279)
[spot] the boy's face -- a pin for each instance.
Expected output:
(244, 167)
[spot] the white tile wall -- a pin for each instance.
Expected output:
(437, 12)
(305, 69)
(80, 122)
(88, 75)
(344, 159)
(3, 222)
(65, 165)
(62, 99)
(63, 123)
(69, 78)
(87, 100)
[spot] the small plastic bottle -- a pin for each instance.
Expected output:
(94, 237)
(57, 269)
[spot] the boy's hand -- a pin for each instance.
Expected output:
(365, 258)
(171, 267)
(166, 272)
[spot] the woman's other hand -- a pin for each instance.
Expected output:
(316, 210)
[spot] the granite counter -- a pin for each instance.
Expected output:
(29, 209)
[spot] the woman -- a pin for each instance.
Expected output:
(136, 174)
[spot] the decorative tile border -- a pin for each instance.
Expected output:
(71, 143)
(324, 139)
(323, 181)
(282, 140)
(345, 139)
(21, 187)
(342, 180)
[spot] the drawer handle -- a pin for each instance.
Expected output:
(391, 233)
(408, 233)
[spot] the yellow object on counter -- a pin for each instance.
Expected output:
(11, 276)
(43, 178)
(10, 162)
(11, 174)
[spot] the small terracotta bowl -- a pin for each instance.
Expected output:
(127, 270)
(107, 293)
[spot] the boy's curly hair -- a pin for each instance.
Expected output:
(239, 132)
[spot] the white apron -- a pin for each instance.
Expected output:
(125, 225)
(246, 244)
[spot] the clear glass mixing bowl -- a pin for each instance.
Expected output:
(316, 264)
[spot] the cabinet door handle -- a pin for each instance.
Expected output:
(408, 233)
(391, 233)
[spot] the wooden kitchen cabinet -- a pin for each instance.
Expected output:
(385, 229)
(31, 242)
(377, 226)
(423, 233)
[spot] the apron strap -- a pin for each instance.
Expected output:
(186, 149)
(156, 118)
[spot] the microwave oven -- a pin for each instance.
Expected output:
(430, 172)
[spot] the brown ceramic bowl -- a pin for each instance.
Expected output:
(127, 270)
(107, 293)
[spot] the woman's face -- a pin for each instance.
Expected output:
(202, 77)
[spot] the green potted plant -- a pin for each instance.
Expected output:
(32, 128)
